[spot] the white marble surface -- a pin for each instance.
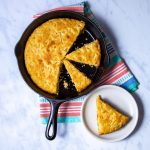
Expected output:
(128, 25)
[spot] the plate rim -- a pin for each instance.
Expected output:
(98, 137)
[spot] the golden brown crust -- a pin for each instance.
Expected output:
(89, 54)
(78, 78)
(45, 49)
(108, 118)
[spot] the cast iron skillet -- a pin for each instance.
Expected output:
(90, 33)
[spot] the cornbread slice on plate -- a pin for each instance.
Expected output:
(77, 77)
(45, 49)
(89, 54)
(108, 118)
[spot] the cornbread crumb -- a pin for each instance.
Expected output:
(65, 84)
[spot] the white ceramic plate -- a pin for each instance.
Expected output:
(119, 98)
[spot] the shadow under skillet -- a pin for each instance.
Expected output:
(108, 32)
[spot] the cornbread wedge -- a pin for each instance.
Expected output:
(78, 78)
(45, 49)
(108, 118)
(89, 54)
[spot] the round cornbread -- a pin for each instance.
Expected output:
(46, 48)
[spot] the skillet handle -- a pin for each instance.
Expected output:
(52, 122)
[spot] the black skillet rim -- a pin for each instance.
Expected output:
(19, 49)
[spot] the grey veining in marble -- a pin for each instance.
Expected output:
(128, 25)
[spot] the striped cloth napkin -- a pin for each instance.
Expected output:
(117, 73)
